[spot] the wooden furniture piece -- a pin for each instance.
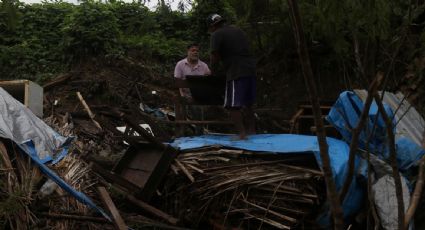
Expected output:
(144, 166)
(27, 92)
(302, 122)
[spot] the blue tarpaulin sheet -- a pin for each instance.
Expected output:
(288, 144)
(31, 151)
(38, 140)
(345, 115)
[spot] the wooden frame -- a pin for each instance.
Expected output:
(27, 92)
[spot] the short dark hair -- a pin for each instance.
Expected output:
(190, 45)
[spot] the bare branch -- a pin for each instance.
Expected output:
(356, 133)
(320, 130)
(416, 196)
(393, 161)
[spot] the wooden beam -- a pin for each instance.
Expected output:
(152, 210)
(107, 201)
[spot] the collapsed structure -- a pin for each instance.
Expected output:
(266, 181)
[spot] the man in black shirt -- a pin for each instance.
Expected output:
(230, 45)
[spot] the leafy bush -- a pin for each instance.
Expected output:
(90, 30)
(133, 18)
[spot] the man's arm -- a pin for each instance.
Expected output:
(214, 60)
(178, 73)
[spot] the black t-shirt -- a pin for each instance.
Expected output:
(232, 44)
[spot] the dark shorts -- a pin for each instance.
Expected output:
(240, 92)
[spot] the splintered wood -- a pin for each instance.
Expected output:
(242, 185)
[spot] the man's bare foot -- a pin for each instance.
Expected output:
(238, 137)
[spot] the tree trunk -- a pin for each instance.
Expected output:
(356, 133)
(321, 133)
(393, 161)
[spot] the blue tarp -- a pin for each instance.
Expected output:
(408, 153)
(38, 140)
(31, 151)
(288, 144)
(345, 115)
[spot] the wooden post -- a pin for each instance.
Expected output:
(180, 116)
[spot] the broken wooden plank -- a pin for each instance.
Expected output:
(107, 201)
(152, 210)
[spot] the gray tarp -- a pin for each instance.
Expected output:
(19, 124)
(384, 194)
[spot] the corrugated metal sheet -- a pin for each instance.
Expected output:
(411, 125)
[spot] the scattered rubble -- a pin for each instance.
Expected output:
(122, 159)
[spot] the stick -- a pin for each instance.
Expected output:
(416, 196)
(195, 168)
(75, 217)
(107, 201)
(393, 161)
(152, 210)
(87, 108)
(185, 171)
(287, 218)
(269, 221)
(355, 134)
(332, 195)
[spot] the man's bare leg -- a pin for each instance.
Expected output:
(237, 119)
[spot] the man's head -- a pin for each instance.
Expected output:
(193, 52)
(214, 21)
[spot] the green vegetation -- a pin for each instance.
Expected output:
(349, 40)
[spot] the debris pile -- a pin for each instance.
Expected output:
(240, 188)
(123, 166)
(29, 199)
